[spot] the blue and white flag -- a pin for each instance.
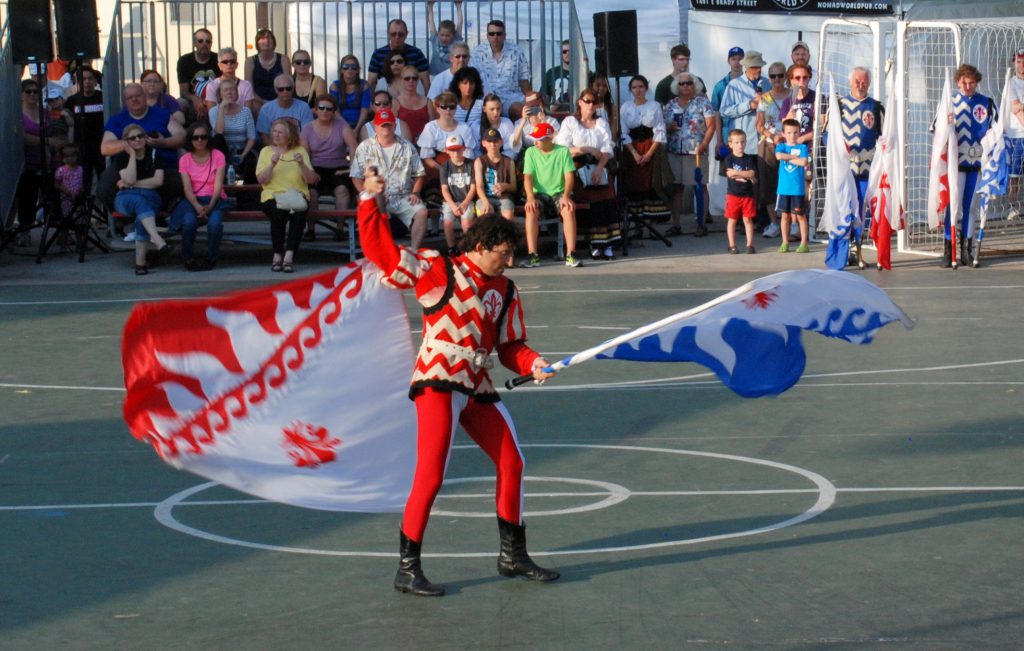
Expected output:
(841, 211)
(995, 160)
(750, 337)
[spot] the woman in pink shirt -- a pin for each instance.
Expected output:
(202, 179)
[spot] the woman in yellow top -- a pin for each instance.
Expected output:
(284, 165)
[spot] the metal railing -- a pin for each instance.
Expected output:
(146, 34)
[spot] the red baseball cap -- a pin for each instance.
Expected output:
(542, 130)
(384, 116)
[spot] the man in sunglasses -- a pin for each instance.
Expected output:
(442, 37)
(195, 68)
(397, 33)
(504, 69)
(680, 63)
(459, 56)
(554, 86)
(284, 106)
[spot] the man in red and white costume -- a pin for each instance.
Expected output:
(469, 310)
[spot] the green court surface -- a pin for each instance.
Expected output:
(877, 504)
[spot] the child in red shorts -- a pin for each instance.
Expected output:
(741, 192)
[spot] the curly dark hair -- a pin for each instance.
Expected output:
(472, 74)
(490, 231)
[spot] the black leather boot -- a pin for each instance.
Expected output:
(513, 560)
(966, 246)
(947, 254)
(410, 577)
(969, 257)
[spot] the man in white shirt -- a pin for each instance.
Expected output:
(504, 69)
(459, 55)
(1014, 131)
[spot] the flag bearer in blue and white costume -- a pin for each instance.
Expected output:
(973, 114)
(862, 124)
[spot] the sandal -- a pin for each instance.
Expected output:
(672, 231)
(277, 265)
(288, 268)
(141, 270)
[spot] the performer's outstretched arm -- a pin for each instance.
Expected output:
(374, 228)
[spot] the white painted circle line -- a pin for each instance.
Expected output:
(613, 495)
(825, 489)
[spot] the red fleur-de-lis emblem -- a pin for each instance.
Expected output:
(760, 300)
(309, 445)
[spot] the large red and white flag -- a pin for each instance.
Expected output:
(943, 178)
(883, 198)
(296, 393)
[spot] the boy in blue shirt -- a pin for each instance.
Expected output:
(792, 193)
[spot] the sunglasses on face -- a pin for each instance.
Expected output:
(382, 103)
(199, 136)
(301, 62)
(686, 83)
(350, 66)
(229, 62)
(282, 89)
(410, 78)
(446, 107)
(397, 34)
(781, 75)
(800, 77)
(587, 100)
(204, 41)
(31, 91)
(325, 107)
(495, 33)
(138, 136)
(565, 51)
(460, 56)
(396, 62)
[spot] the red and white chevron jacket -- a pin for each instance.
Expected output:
(463, 308)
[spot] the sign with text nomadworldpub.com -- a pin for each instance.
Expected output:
(873, 7)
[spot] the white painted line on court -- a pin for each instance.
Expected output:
(525, 290)
(679, 380)
(60, 387)
(460, 496)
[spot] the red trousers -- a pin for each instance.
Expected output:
(490, 426)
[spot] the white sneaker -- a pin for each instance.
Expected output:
(1013, 214)
(771, 230)
(130, 237)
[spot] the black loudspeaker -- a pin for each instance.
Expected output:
(78, 34)
(615, 37)
(31, 39)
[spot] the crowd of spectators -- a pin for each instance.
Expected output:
(457, 127)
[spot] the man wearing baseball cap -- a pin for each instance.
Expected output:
(548, 174)
(722, 125)
(1014, 132)
(397, 160)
